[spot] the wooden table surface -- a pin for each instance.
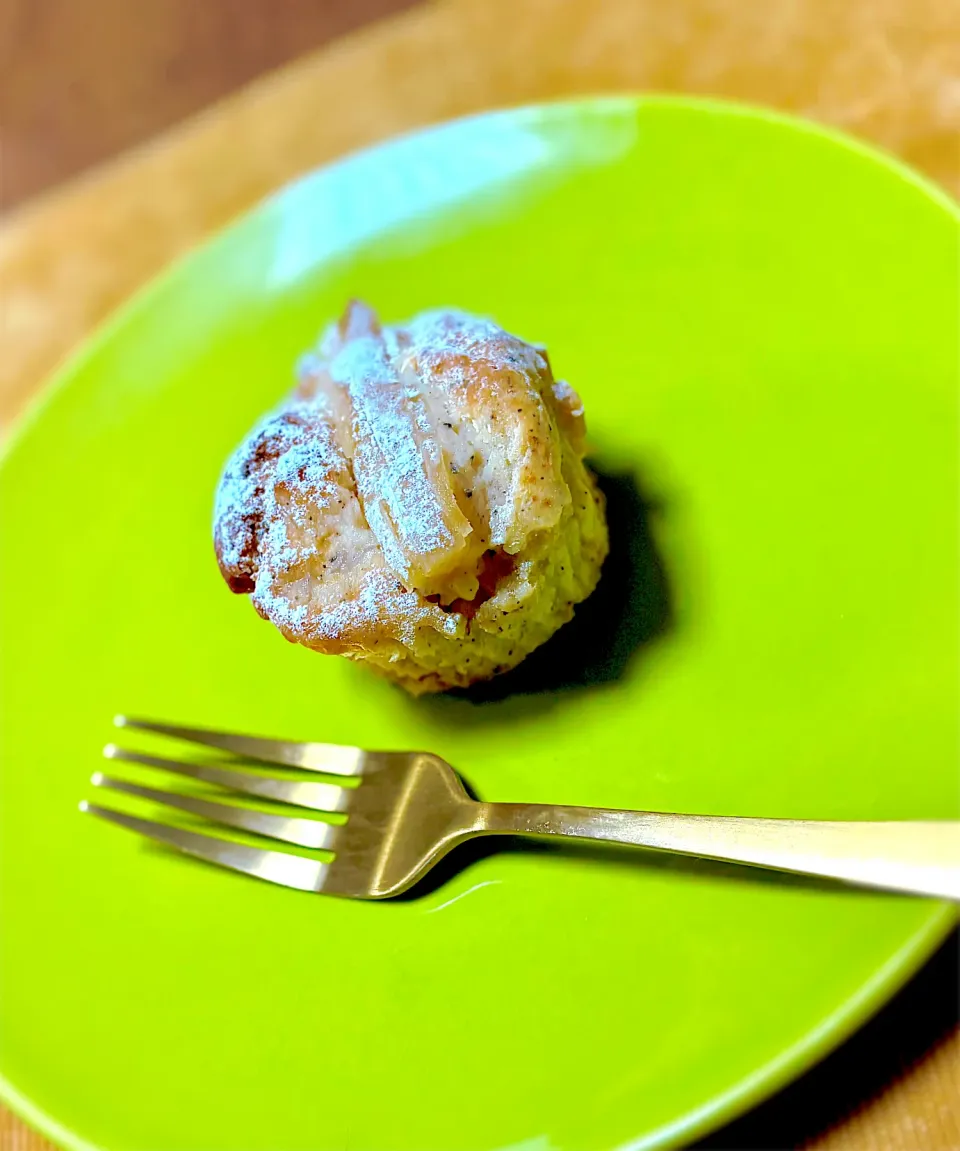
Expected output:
(886, 70)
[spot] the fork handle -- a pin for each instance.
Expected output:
(921, 857)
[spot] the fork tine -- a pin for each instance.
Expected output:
(328, 797)
(302, 832)
(274, 866)
(327, 757)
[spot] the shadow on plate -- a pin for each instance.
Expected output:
(924, 1014)
(630, 610)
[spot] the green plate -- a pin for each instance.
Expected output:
(763, 320)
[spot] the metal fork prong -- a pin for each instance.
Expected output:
(301, 832)
(274, 866)
(328, 797)
(326, 757)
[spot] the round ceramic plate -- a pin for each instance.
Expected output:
(762, 321)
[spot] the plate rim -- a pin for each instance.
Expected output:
(764, 1083)
(165, 277)
(830, 1032)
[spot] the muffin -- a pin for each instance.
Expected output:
(419, 503)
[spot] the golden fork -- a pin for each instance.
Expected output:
(406, 810)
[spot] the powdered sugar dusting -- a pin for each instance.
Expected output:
(362, 512)
(397, 464)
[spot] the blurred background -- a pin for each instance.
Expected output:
(81, 80)
(135, 128)
(129, 129)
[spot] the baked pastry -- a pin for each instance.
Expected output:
(420, 502)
